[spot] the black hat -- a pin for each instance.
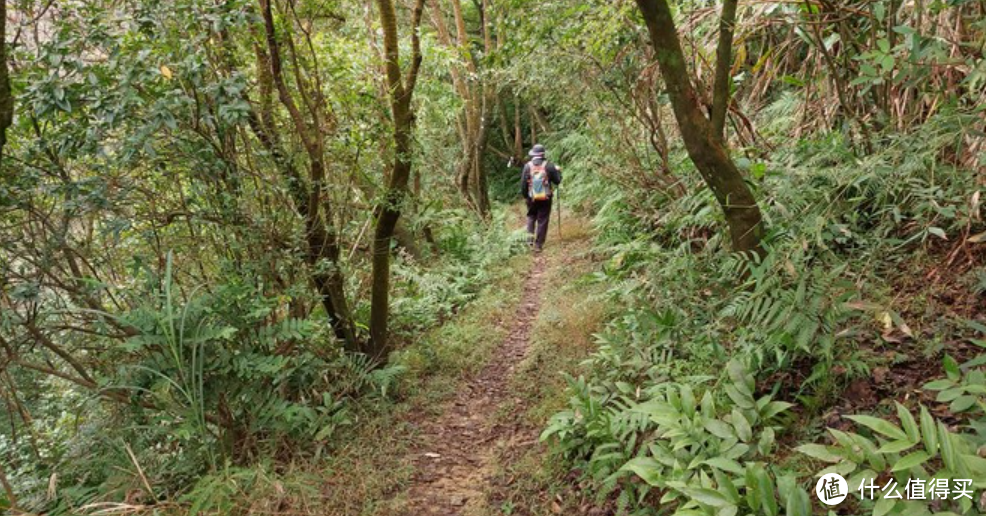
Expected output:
(537, 151)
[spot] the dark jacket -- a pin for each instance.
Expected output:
(554, 175)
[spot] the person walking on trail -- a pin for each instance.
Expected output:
(537, 185)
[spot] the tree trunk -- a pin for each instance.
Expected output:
(471, 175)
(7, 488)
(406, 240)
(704, 147)
(518, 133)
(486, 93)
(320, 237)
(389, 210)
(724, 67)
(6, 96)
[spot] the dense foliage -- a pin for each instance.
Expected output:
(873, 210)
(201, 202)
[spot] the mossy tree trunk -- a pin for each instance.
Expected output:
(706, 149)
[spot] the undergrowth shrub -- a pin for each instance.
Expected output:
(470, 251)
(801, 319)
(222, 385)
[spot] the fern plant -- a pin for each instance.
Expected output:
(701, 454)
(920, 448)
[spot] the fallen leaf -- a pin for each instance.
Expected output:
(863, 305)
(978, 238)
(880, 375)
(886, 320)
(166, 72)
(906, 330)
(891, 338)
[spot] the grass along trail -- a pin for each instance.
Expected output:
(452, 462)
(458, 457)
(461, 437)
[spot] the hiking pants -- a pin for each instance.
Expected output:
(538, 213)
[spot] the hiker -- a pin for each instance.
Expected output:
(537, 185)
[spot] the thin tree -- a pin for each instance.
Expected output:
(388, 211)
(478, 96)
(6, 118)
(724, 66)
(706, 148)
(311, 203)
(6, 96)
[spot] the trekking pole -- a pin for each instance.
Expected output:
(558, 201)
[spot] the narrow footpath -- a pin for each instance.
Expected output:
(453, 462)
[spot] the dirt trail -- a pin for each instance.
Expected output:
(452, 465)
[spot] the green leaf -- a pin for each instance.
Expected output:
(928, 431)
(962, 403)
(773, 408)
(910, 461)
(844, 468)
(859, 476)
(719, 429)
(648, 469)
(883, 506)
(736, 451)
(907, 421)
(765, 488)
(976, 466)
(766, 444)
(753, 495)
(798, 503)
(820, 452)
(948, 454)
(740, 377)
(726, 487)
(848, 446)
(875, 459)
(689, 512)
(880, 426)
(896, 446)
(740, 399)
(887, 63)
(725, 465)
(951, 368)
(949, 394)
(706, 496)
(708, 405)
(687, 400)
(939, 385)
(742, 426)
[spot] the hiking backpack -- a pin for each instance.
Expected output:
(539, 183)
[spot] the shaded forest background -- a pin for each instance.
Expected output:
(226, 227)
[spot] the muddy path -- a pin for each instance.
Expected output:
(453, 460)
